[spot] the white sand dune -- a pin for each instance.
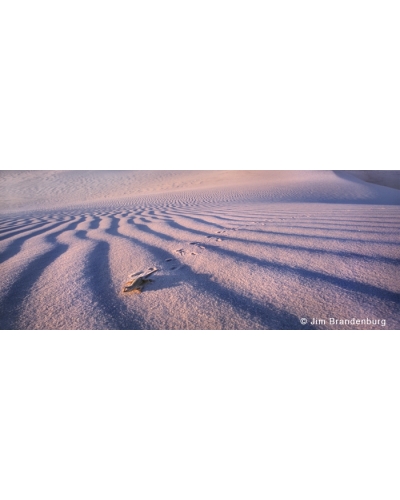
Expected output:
(22, 190)
(233, 249)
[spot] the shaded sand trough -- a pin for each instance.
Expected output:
(233, 250)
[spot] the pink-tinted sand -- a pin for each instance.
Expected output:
(233, 249)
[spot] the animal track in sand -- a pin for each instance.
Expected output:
(178, 268)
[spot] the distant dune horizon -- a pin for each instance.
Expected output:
(35, 189)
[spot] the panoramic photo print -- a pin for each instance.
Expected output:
(199, 250)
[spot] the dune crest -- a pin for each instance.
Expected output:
(21, 190)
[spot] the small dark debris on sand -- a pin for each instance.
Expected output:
(136, 285)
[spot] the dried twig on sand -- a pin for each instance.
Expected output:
(136, 285)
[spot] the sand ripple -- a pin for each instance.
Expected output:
(248, 264)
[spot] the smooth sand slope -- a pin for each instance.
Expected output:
(233, 250)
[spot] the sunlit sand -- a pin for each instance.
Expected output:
(199, 249)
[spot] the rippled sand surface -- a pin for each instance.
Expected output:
(233, 250)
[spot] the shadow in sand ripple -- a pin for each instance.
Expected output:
(266, 244)
(266, 315)
(346, 284)
(15, 246)
(10, 233)
(100, 284)
(10, 306)
(95, 223)
(323, 237)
